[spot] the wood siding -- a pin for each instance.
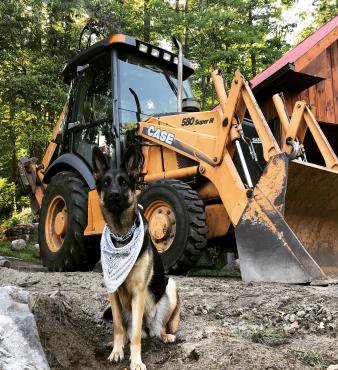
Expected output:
(323, 96)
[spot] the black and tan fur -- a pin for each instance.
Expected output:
(147, 302)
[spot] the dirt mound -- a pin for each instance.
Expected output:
(226, 324)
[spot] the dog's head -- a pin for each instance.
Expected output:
(116, 187)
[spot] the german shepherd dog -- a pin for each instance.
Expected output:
(147, 302)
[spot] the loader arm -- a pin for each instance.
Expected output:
(212, 145)
(295, 129)
(270, 236)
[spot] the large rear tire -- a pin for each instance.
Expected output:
(63, 219)
(177, 222)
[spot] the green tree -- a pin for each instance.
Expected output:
(231, 34)
(323, 11)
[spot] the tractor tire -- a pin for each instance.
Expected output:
(177, 223)
(63, 219)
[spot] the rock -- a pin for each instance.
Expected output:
(286, 318)
(36, 250)
(190, 351)
(333, 367)
(294, 325)
(18, 245)
(4, 262)
(200, 310)
(28, 283)
(291, 329)
(22, 348)
(218, 315)
(301, 313)
(321, 326)
(292, 318)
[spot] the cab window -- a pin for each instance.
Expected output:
(92, 116)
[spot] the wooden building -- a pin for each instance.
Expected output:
(307, 72)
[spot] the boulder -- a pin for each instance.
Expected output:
(18, 245)
(20, 346)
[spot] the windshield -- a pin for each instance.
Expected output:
(146, 88)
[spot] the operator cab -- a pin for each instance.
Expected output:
(114, 84)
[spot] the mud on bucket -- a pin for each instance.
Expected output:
(289, 230)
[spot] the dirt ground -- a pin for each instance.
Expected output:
(226, 324)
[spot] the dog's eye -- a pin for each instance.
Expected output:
(107, 182)
(123, 182)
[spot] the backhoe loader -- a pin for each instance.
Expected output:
(201, 175)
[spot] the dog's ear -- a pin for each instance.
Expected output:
(130, 160)
(100, 164)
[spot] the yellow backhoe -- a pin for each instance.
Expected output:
(202, 175)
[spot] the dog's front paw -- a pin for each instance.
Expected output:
(116, 355)
(168, 338)
(137, 365)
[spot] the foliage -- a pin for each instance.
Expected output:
(25, 216)
(7, 196)
(323, 11)
(270, 338)
(310, 358)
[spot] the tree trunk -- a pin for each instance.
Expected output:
(186, 30)
(251, 51)
(204, 90)
(146, 21)
(253, 62)
(12, 140)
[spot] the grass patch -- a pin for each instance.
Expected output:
(213, 272)
(270, 338)
(310, 358)
(26, 254)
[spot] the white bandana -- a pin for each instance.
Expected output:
(118, 262)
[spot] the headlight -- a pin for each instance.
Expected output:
(167, 57)
(143, 48)
(155, 53)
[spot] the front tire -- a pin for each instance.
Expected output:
(177, 222)
(63, 219)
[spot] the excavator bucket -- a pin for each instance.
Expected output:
(288, 232)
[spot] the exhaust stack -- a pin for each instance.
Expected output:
(179, 73)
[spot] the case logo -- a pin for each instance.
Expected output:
(162, 135)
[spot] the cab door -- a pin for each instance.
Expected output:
(92, 119)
